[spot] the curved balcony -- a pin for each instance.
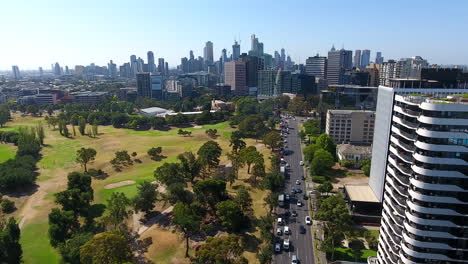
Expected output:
(432, 211)
(405, 123)
(424, 233)
(436, 147)
(406, 111)
(402, 145)
(399, 177)
(401, 190)
(441, 134)
(394, 220)
(437, 173)
(397, 208)
(443, 121)
(399, 165)
(435, 198)
(432, 160)
(405, 157)
(405, 260)
(437, 186)
(431, 222)
(399, 200)
(427, 256)
(426, 244)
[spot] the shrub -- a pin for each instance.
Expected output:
(318, 179)
(347, 164)
(8, 206)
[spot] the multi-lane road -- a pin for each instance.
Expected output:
(301, 244)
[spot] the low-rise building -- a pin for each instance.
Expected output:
(353, 152)
(89, 97)
(350, 126)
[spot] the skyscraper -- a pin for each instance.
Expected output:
(161, 66)
(151, 65)
(57, 69)
(143, 84)
(41, 72)
(235, 51)
(338, 62)
(357, 59)
(235, 76)
(378, 58)
(283, 55)
(112, 68)
(419, 172)
(208, 53)
(365, 58)
(253, 44)
(133, 64)
(16, 72)
(316, 66)
(156, 85)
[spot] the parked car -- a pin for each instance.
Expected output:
(302, 229)
(280, 221)
(298, 182)
(308, 221)
(294, 259)
(286, 243)
(286, 197)
(294, 213)
(299, 203)
(301, 163)
(277, 247)
(279, 232)
(305, 197)
(287, 231)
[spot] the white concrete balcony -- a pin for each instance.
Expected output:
(437, 173)
(437, 186)
(432, 160)
(445, 148)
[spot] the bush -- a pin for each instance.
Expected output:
(319, 179)
(347, 164)
(8, 206)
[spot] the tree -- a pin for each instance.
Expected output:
(28, 143)
(184, 132)
(210, 192)
(95, 128)
(365, 166)
(244, 199)
(231, 215)
(10, 247)
(78, 195)
(32, 109)
(122, 159)
(272, 140)
(325, 187)
(249, 155)
(265, 255)
(169, 173)
(70, 250)
(4, 116)
(208, 156)
(226, 250)
(146, 197)
(312, 127)
(187, 221)
(66, 133)
(252, 126)
(81, 125)
(84, 156)
(117, 211)
(273, 181)
(62, 224)
(106, 248)
(357, 246)
(212, 133)
(155, 153)
(258, 169)
(271, 200)
(236, 163)
(189, 166)
(265, 224)
(8, 206)
(325, 142)
(309, 152)
(176, 192)
(322, 161)
(236, 141)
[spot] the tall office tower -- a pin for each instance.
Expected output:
(166, 68)
(419, 172)
(41, 72)
(338, 62)
(133, 64)
(161, 65)
(316, 66)
(357, 59)
(253, 45)
(388, 70)
(156, 85)
(235, 76)
(57, 69)
(283, 55)
(350, 126)
(124, 71)
(67, 71)
(411, 67)
(151, 65)
(112, 68)
(235, 51)
(260, 49)
(16, 72)
(143, 84)
(273, 83)
(140, 63)
(191, 57)
(208, 53)
(184, 65)
(224, 57)
(378, 58)
(251, 69)
(365, 58)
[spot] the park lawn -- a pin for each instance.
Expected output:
(35, 244)
(7, 152)
(346, 254)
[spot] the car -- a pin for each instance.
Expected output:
(302, 229)
(287, 231)
(298, 190)
(298, 182)
(303, 178)
(305, 197)
(293, 191)
(286, 197)
(286, 243)
(287, 165)
(279, 232)
(308, 221)
(280, 221)
(301, 163)
(299, 203)
(294, 213)
(277, 247)
(282, 157)
(294, 259)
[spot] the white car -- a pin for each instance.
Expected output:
(279, 232)
(298, 182)
(286, 230)
(308, 221)
(299, 203)
(280, 221)
(286, 243)
(277, 247)
(294, 259)
(301, 163)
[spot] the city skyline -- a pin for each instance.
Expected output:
(81, 33)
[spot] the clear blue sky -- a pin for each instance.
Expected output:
(37, 33)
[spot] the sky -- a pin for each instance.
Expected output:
(37, 33)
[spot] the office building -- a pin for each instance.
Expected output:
(124, 71)
(184, 65)
(143, 84)
(419, 168)
(57, 69)
(365, 58)
(112, 68)
(251, 69)
(388, 70)
(161, 66)
(374, 71)
(235, 76)
(338, 62)
(253, 45)
(128, 94)
(156, 86)
(133, 65)
(235, 51)
(151, 64)
(16, 72)
(378, 58)
(350, 97)
(89, 97)
(357, 59)
(208, 53)
(45, 98)
(273, 83)
(411, 67)
(41, 72)
(316, 66)
(303, 84)
(350, 126)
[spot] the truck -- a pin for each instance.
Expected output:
(281, 200)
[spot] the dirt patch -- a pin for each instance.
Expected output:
(118, 184)
(354, 180)
(197, 127)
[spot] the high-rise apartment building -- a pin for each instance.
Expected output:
(16, 72)
(133, 65)
(57, 69)
(388, 70)
(112, 68)
(419, 168)
(316, 66)
(143, 84)
(235, 51)
(161, 66)
(365, 58)
(378, 58)
(156, 86)
(273, 83)
(235, 76)
(208, 53)
(338, 62)
(357, 59)
(151, 64)
(350, 126)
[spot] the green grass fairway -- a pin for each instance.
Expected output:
(35, 243)
(6, 152)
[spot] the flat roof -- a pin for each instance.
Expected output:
(360, 193)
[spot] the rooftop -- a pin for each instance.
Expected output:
(360, 193)
(339, 111)
(354, 149)
(154, 110)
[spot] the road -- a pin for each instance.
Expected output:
(301, 244)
